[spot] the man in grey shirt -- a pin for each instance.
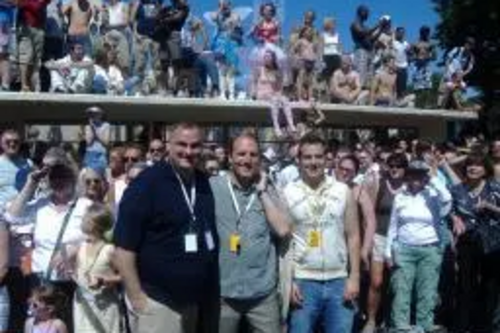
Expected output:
(250, 222)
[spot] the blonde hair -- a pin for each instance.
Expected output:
(99, 220)
(329, 21)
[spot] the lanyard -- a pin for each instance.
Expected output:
(237, 205)
(190, 200)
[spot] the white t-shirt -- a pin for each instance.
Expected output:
(47, 223)
(331, 44)
(400, 53)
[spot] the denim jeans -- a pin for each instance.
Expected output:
(322, 299)
(416, 269)
(206, 68)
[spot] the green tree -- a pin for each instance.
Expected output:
(479, 19)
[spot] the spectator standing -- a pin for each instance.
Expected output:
(157, 151)
(79, 13)
(475, 224)
(460, 59)
(325, 245)
(96, 305)
(14, 170)
(332, 48)
(147, 61)
(227, 39)
(413, 247)
(56, 219)
(423, 52)
(170, 22)
(401, 50)
(31, 42)
(97, 138)
(4, 268)
(7, 13)
(166, 240)
(387, 187)
(250, 222)
(363, 38)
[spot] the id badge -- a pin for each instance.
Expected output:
(209, 239)
(314, 238)
(191, 243)
(234, 243)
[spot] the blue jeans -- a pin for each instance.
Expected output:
(206, 68)
(322, 299)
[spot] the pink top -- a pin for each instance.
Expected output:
(268, 31)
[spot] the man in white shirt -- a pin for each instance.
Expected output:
(401, 49)
(71, 74)
(325, 246)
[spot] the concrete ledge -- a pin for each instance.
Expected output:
(69, 109)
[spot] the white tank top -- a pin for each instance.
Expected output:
(331, 43)
(118, 15)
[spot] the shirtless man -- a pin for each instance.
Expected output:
(345, 84)
(79, 14)
(383, 92)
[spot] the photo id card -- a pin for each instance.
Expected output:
(191, 243)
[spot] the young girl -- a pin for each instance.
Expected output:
(310, 117)
(45, 303)
(268, 86)
(96, 305)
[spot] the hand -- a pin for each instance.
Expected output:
(37, 175)
(296, 296)
(351, 291)
(458, 226)
(262, 184)
(139, 303)
(94, 282)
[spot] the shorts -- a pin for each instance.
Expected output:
(31, 42)
(170, 50)
(4, 309)
(379, 244)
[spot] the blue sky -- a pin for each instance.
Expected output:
(408, 13)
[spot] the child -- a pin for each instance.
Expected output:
(306, 51)
(311, 116)
(96, 305)
(268, 86)
(45, 303)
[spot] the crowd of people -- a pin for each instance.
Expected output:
(147, 47)
(187, 236)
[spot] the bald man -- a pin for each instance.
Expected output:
(345, 84)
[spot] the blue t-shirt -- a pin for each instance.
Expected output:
(146, 16)
(153, 222)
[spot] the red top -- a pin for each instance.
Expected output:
(268, 32)
(33, 13)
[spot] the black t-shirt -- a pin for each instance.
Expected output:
(153, 221)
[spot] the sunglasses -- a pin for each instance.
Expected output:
(11, 142)
(131, 159)
(156, 150)
(91, 181)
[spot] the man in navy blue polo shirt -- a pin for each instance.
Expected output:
(166, 240)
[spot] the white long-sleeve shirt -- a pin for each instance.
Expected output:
(415, 218)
